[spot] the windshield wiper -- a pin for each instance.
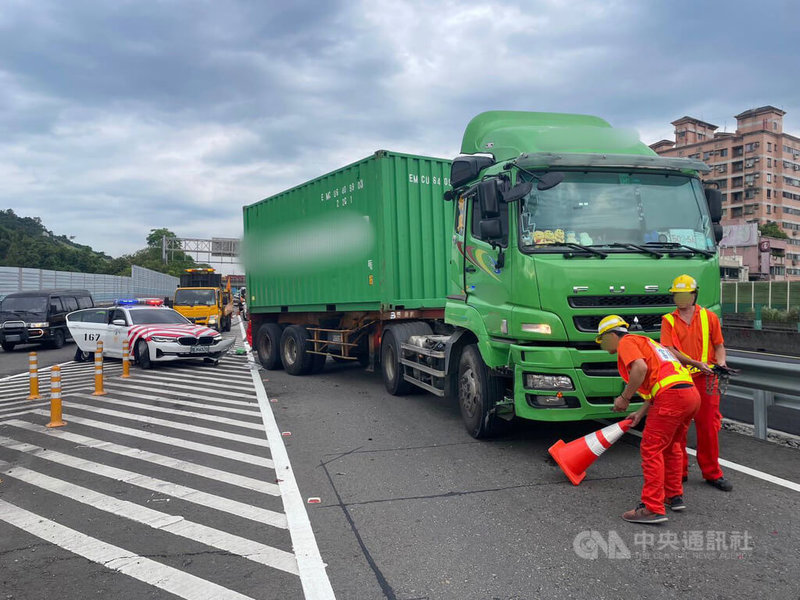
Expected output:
(636, 247)
(677, 246)
(582, 248)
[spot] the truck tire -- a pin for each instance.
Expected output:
(478, 392)
(268, 346)
(58, 339)
(8, 346)
(390, 355)
(294, 343)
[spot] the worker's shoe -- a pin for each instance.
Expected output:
(642, 514)
(721, 484)
(685, 478)
(675, 503)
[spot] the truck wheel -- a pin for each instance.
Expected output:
(8, 346)
(295, 359)
(390, 355)
(268, 346)
(58, 339)
(478, 392)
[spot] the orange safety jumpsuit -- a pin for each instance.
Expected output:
(675, 401)
(697, 340)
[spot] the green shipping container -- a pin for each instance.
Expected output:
(372, 235)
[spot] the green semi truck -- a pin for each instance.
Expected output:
(483, 278)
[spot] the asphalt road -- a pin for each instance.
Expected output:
(413, 508)
(16, 361)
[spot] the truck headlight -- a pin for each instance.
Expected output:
(212, 319)
(42, 324)
(535, 381)
(540, 328)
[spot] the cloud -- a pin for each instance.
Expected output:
(119, 117)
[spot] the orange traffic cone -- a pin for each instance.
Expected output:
(574, 458)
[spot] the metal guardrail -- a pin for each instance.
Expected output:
(765, 382)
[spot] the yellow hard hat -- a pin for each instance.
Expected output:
(610, 323)
(683, 283)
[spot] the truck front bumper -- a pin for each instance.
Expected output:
(595, 384)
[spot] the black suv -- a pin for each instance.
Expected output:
(39, 317)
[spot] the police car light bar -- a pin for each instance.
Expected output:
(138, 301)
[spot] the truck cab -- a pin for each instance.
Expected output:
(201, 299)
(561, 220)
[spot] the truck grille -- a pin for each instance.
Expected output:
(14, 325)
(589, 323)
(620, 301)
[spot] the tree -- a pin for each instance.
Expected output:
(156, 235)
(772, 229)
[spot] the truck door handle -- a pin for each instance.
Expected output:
(470, 269)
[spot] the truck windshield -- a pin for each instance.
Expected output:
(195, 297)
(607, 209)
(24, 304)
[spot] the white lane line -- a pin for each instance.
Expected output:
(165, 386)
(210, 377)
(44, 382)
(250, 412)
(169, 411)
(19, 414)
(16, 405)
(735, 466)
(233, 507)
(314, 578)
(248, 483)
(118, 386)
(242, 457)
(206, 382)
(244, 439)
(175, 524)
(118, 559)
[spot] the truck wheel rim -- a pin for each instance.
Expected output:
(468, 392)
(390, 358)
(291, 351)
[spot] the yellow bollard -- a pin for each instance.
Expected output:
(33, 367)
(98, 371)
(126, 366)
(55, 398)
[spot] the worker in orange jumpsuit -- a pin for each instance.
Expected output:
(694, 335)
(653, 373)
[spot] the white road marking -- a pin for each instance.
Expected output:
(250, 412)
(244, 439)
(170, 462)
(118, 559)
(736, 466)
(170, 411)
(313, 576)
(175, 524)
(193, 380)
(233, 507)
(20, 413)
(119, 387)
(172, 441)
(165, 386)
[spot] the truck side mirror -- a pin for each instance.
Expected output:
(714, 201)
(489, 199)
(467, 168)
(518, 192)
(718, 232)
(491, 229)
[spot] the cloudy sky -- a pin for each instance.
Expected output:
(117, 117)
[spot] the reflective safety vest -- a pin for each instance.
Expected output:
(670, 371)
(703, 332)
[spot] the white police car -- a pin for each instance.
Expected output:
(154, 333)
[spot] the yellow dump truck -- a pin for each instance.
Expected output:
(202, 299)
